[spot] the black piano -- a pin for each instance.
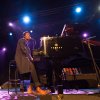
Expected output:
(61, 46)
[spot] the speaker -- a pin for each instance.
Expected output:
(81, 81)
(82, 76)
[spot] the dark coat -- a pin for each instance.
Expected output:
(23, 57)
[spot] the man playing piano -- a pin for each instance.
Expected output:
(24, 62)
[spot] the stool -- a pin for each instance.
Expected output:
(13, 76)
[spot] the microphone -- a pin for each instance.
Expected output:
(31, 38)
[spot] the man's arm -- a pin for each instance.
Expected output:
(25, 49)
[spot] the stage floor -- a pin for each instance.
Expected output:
(13, 96)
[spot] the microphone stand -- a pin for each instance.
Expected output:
(93, 60)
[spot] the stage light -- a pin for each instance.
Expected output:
(26, 19)
(78, 9)
(85, 35)
(99, 8)
(4, 49)
(10, 34)
(31, 31)
(10, 24)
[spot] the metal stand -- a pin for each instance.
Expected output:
(94, 63)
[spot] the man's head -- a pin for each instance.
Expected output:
(27, 35)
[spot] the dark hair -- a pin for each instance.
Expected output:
(24, 33)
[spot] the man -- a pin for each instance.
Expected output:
(24, 62)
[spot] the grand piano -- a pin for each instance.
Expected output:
(60, 47)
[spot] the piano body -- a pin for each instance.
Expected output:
(61, 46)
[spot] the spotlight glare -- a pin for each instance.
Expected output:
(26, 19)
(31, 31)
(10, 34)
(78, 9)
(99, 8)
(4, 49)
(85, 35)
(10, 24)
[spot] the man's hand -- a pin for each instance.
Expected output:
(30, 58)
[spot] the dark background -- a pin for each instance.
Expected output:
(47, 18)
